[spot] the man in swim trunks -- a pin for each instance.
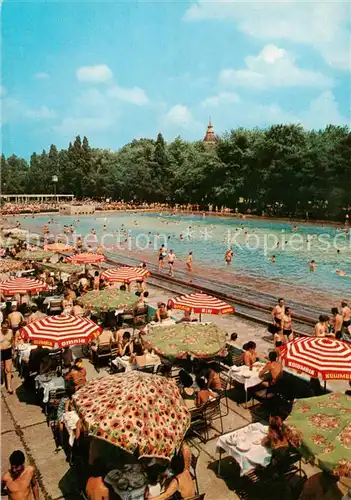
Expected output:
(20, 481)
(161, 255)
(346, 314)
(278, 313)
(171, 259)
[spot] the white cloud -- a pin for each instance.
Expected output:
(99, 73)
(42, 113)
(41, 76)
(179, 119)
(179, 115)
(324, 111)
(14, 110)
(273, 67)
(321, 25)
(222, 97)
(71, 126)
(134, 95)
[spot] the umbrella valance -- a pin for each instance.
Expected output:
(62, 330)
(177, 341)
(109, 299)
(321, 428)
(136, 411)
(201, 303)
(22, 286)
(85, 258)
(319, 356)
(125, 274)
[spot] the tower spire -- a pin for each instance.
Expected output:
(210, 139)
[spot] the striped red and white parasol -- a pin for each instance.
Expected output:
(201, 303)
(21, 286)
(125, 274)
(319, 356)
(61, 331)
(85, 258)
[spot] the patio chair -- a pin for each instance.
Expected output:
(212, 412)
(198, 424)
(226, 385)
(54, 307)
(146, 368)
(192, 470)
(103, 352)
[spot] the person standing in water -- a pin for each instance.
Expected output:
(312, 266)
(228, 256)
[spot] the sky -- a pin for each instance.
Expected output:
(115, 71)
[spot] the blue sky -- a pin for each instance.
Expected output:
(115, 71)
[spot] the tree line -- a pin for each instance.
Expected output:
(283, 170)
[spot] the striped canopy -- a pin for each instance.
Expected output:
(85, 258)
(125, 274)
(61, 331)
(21, 286)
(58, 247)
(319, 356)
(201, 303)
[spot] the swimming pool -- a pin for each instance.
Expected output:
(254, 242)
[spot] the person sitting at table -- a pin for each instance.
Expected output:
(187, 391)
(272, 370)
(95, 488)
(65, 406)
(67, 304)
(77, 308)
(15, 318)
(181, 484)
(204, 394)
(233, 340)
(34, 314)
(18, 338)
(67, 357)
(77, 376)
(186, 318)
(138, 357)
(250, 355)
(161, 313)
(36, 357)
(214, 380)
(125, 348)
(276, 437)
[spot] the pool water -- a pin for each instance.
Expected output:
(254, 242)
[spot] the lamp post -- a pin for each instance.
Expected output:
(55, 181)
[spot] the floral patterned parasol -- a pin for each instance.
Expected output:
(10, 265)
(34, 255)
(108, 299)
(176, 341)
(62, 267)
(321, 428)
(136, 411)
